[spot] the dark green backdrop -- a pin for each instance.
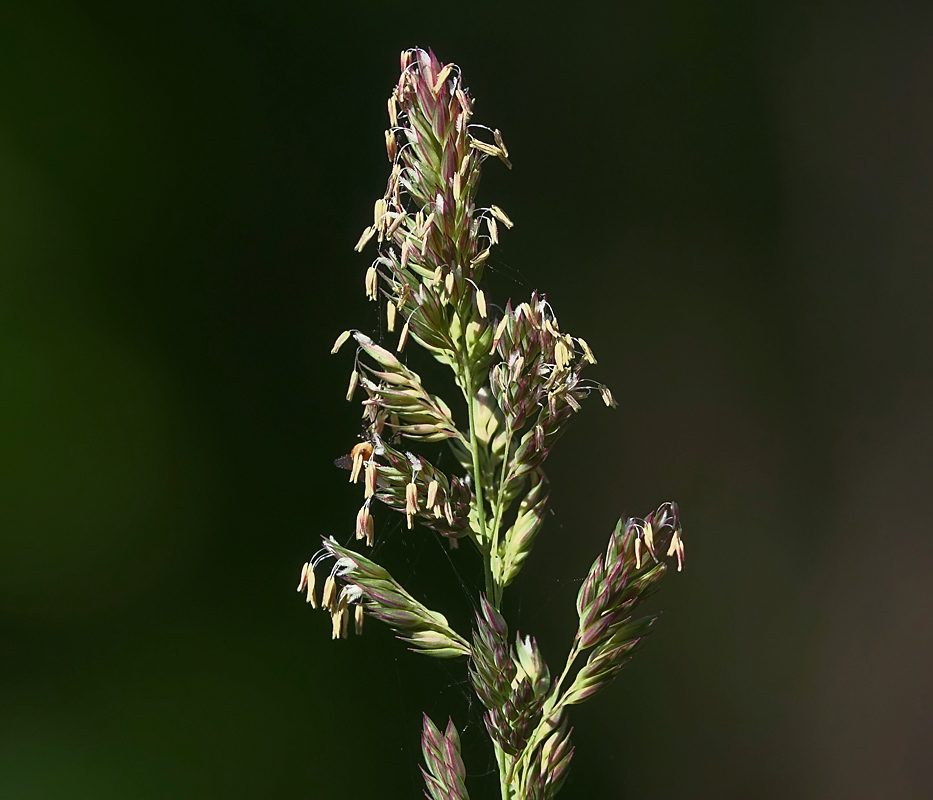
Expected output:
(731, 201)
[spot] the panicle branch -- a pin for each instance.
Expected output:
(357, 581)
(616, 584)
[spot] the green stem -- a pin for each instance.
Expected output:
(574, 652)
(504, 772)
(497, 519)
(477, 477)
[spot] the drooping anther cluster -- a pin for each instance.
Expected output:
(537, 381)
(356, 581)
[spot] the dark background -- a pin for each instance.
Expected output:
(731, 201)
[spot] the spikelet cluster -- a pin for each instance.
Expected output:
(433, 241)
(548, 764)
(445, 774)
(511, 681)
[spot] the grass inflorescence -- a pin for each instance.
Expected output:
(520, 381)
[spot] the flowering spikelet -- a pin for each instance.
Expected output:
(392, 388)
(616, 584)
(406, 478)
(539, 371)
(516, 545)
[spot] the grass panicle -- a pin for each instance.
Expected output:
(520, 381)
